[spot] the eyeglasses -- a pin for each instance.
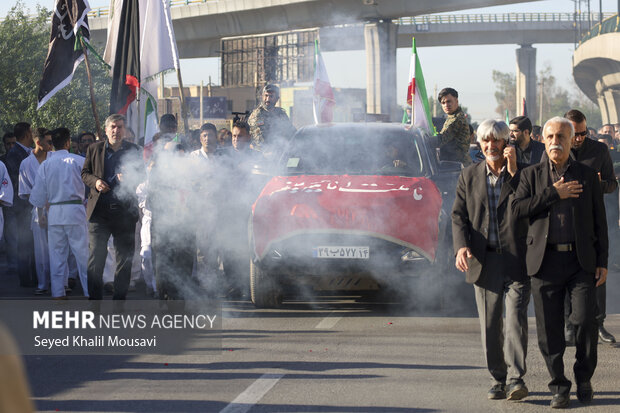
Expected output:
(584, 133)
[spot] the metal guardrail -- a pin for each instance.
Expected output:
(436, 18)
(105, 11)
(501, 18)
(609, 25)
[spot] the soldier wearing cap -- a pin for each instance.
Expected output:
(269, 123)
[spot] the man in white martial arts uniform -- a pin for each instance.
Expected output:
(27, 175)
(6, 194)
(59, 183)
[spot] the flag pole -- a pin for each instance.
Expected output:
(183, 108)
(91, 89)
(137, 133)
(88, 74)
(413, 50)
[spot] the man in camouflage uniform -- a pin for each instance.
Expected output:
(269, 123)
(454, 136)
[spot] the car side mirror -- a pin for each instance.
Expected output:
(450, 166)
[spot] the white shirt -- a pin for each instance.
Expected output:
(201, 154)
(145, 229)
(59, 179)
(6, 193)
(27, 175)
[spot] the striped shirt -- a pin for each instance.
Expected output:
(494, 188)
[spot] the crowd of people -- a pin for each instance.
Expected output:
(530, 219)
(107, 214)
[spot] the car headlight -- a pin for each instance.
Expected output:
(411, 255)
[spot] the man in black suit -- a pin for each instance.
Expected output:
(566, 251)
(529, 151)
(596, 155)
(484, 237)
(18, 234)
(112, 170)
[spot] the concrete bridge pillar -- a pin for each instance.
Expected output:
(380, 39)
(603, 107)
(611, 99)
(526, 80)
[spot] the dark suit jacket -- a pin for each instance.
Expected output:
(538, 149)
(470, 223)
(94, 169)
(533, 200)
(14, 158)
(596, 155)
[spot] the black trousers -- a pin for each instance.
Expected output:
(560, 273)
(601, 305)
(174, 252)
(121, 225)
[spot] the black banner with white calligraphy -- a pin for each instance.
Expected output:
(63, 57)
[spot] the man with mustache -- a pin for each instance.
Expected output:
(484, 237)
(269, 124)
(567, 250)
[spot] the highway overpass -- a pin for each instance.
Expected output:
(378, 26)
(596, 68)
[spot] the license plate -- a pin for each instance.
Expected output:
(362, 253)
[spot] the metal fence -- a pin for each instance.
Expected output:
(609, 25)
(502, 18)
(105, 11)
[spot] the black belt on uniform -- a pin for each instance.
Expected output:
(496, 250)
(72, 202)
(562, 247)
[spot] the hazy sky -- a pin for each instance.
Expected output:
(466, 68)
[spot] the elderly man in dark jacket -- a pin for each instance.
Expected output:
(567, 251)
(112, 170)
(484, 234)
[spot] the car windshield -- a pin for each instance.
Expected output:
(341, 151)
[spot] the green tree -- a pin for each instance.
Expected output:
(505, 93)
(556, 100)
(24, 42)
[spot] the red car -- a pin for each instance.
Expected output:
(353, 207)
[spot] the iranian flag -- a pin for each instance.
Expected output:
(416, 95)
(323, 96)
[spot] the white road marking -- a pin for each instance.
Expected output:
(252, 395)
(328, 322)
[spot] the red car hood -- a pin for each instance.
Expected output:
(398, 209)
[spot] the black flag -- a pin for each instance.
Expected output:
(62, 57)
(126, 68)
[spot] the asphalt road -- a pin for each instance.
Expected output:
(336, 354)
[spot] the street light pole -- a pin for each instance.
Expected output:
(542, 85)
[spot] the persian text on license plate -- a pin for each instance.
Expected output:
(342, 252)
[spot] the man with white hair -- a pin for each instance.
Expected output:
(484, 238)
(566, 252)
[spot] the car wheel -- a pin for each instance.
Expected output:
(264, 289)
